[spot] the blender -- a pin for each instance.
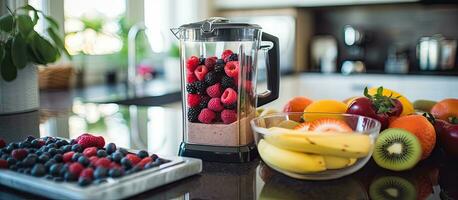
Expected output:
(218, 75)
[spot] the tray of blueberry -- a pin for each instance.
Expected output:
(87, 168)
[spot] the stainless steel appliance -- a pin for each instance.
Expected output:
(436, 53)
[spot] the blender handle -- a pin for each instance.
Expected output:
(273, 71)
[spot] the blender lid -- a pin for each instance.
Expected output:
(210, 24)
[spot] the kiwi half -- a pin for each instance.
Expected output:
(397, 149)
(391, 188)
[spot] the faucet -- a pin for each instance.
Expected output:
(131, 58)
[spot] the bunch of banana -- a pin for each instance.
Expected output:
(308, 152)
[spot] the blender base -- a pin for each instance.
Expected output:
(239, 154)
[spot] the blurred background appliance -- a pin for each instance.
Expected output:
(354, 40)
(397, 61)
(436, 53)
(324, 53)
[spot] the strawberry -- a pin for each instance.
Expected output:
(226, 54)
(329, 124)
(75, 168)
(214, 91)
(19, 154)
(90, 151)
(215, 105)
(192, 63)
(2, 143)
(303, 126)
(193, 100)
(87, 173)
(67, 157)
(93, 159)
(207, 116)
(3, 164)
(232, 69)
(134, 159)
(210, 63)
(228, 116)
(115, 165)
(144, 161)
(200, 72)
(103, 162)
(229, 96)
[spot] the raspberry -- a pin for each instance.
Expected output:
(192, 63)
(211, 78)
(134, 159)
(210, 63)
(2, 143)
(200, 72)
(87, 173)
(200, 87)
(93, 159)
(190, 77)
(191, 88)
(229, 96)
(215, 104)
(67, 157)
(226, 54)
(214, 91)
(90, 151)
(115, 165)
(228, 116)
(232, 69)
(75, 168)
(204, 101)
(193, 100)
(19, 154)
(81, 136)
(206, 116)
(233, 57)
(227, 82)
(193, 114)
(102, 162)
(91, 141)
(144, 161)
(3, 164)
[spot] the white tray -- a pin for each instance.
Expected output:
(129, 185)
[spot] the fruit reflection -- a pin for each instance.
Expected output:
(392, 187)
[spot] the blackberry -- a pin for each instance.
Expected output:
(191, 88)
(220, 62)
(193, 114)
(204, 101)
(233, 57)
(200, 86)
(201, 60)
(227, 82)
(211, 78)
(231, 106)
(219, 69)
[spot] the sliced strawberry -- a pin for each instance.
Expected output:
(329, 124)
(303, 127)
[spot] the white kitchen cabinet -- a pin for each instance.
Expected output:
(340, 87)
(237, 4)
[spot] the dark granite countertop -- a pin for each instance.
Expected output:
(155, 129)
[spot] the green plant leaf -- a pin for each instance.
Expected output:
(52, 23)
(44, 49)
(6, 23)
(58, 41)
(2, 53)
(7, 68)
(31, 9)
(25, 25)
(33, 57)
(19, 52)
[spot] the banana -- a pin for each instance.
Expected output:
(423, 105)
(333, 162)
(345, 145)
(268, 111)
(289, 160)
(352, 162)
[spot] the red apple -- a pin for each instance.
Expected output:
(448, 136)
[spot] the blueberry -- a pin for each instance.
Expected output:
(126, 163)
(44, 148)
(4, 157)
(77, 148)
(13, 167)
(30, 138)
(43, 159)
(25, 144)
(52, 151)
(52, 145)
(72, 141)
(154, 157)
(101, 153)
(10, 148)
(64, 169)
(76, 156)
(69, 177)
(28, 161)
(110, 148)
(150, 165)
(116, 157)
(100, 172)
(59, 151)
(35, 143)
(123, 151)
(28, 171)
(58, 157)
(55, 169)
(38, 170)
(115, 173)
(60, 143)
(82, 181)
(11, 161)
(50, 163)
(142, 154)
(136, 169)
(46, 154)
(49, 177)
(50, 140)
(84, 161)
(66, 148)
(58, 179)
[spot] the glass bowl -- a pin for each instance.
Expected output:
(359, 124)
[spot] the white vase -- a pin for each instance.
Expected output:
(21, 94)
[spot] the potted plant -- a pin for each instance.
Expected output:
(21, 50)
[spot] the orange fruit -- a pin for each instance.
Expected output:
(323, 106)
(407, 106)
(420, 127)
(297, 104)
(445, 109)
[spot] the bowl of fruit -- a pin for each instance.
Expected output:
(315, 146)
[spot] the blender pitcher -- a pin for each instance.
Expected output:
(218, 70)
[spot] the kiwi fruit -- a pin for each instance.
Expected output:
(392, 188)
(288, 124)
(397, 149)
